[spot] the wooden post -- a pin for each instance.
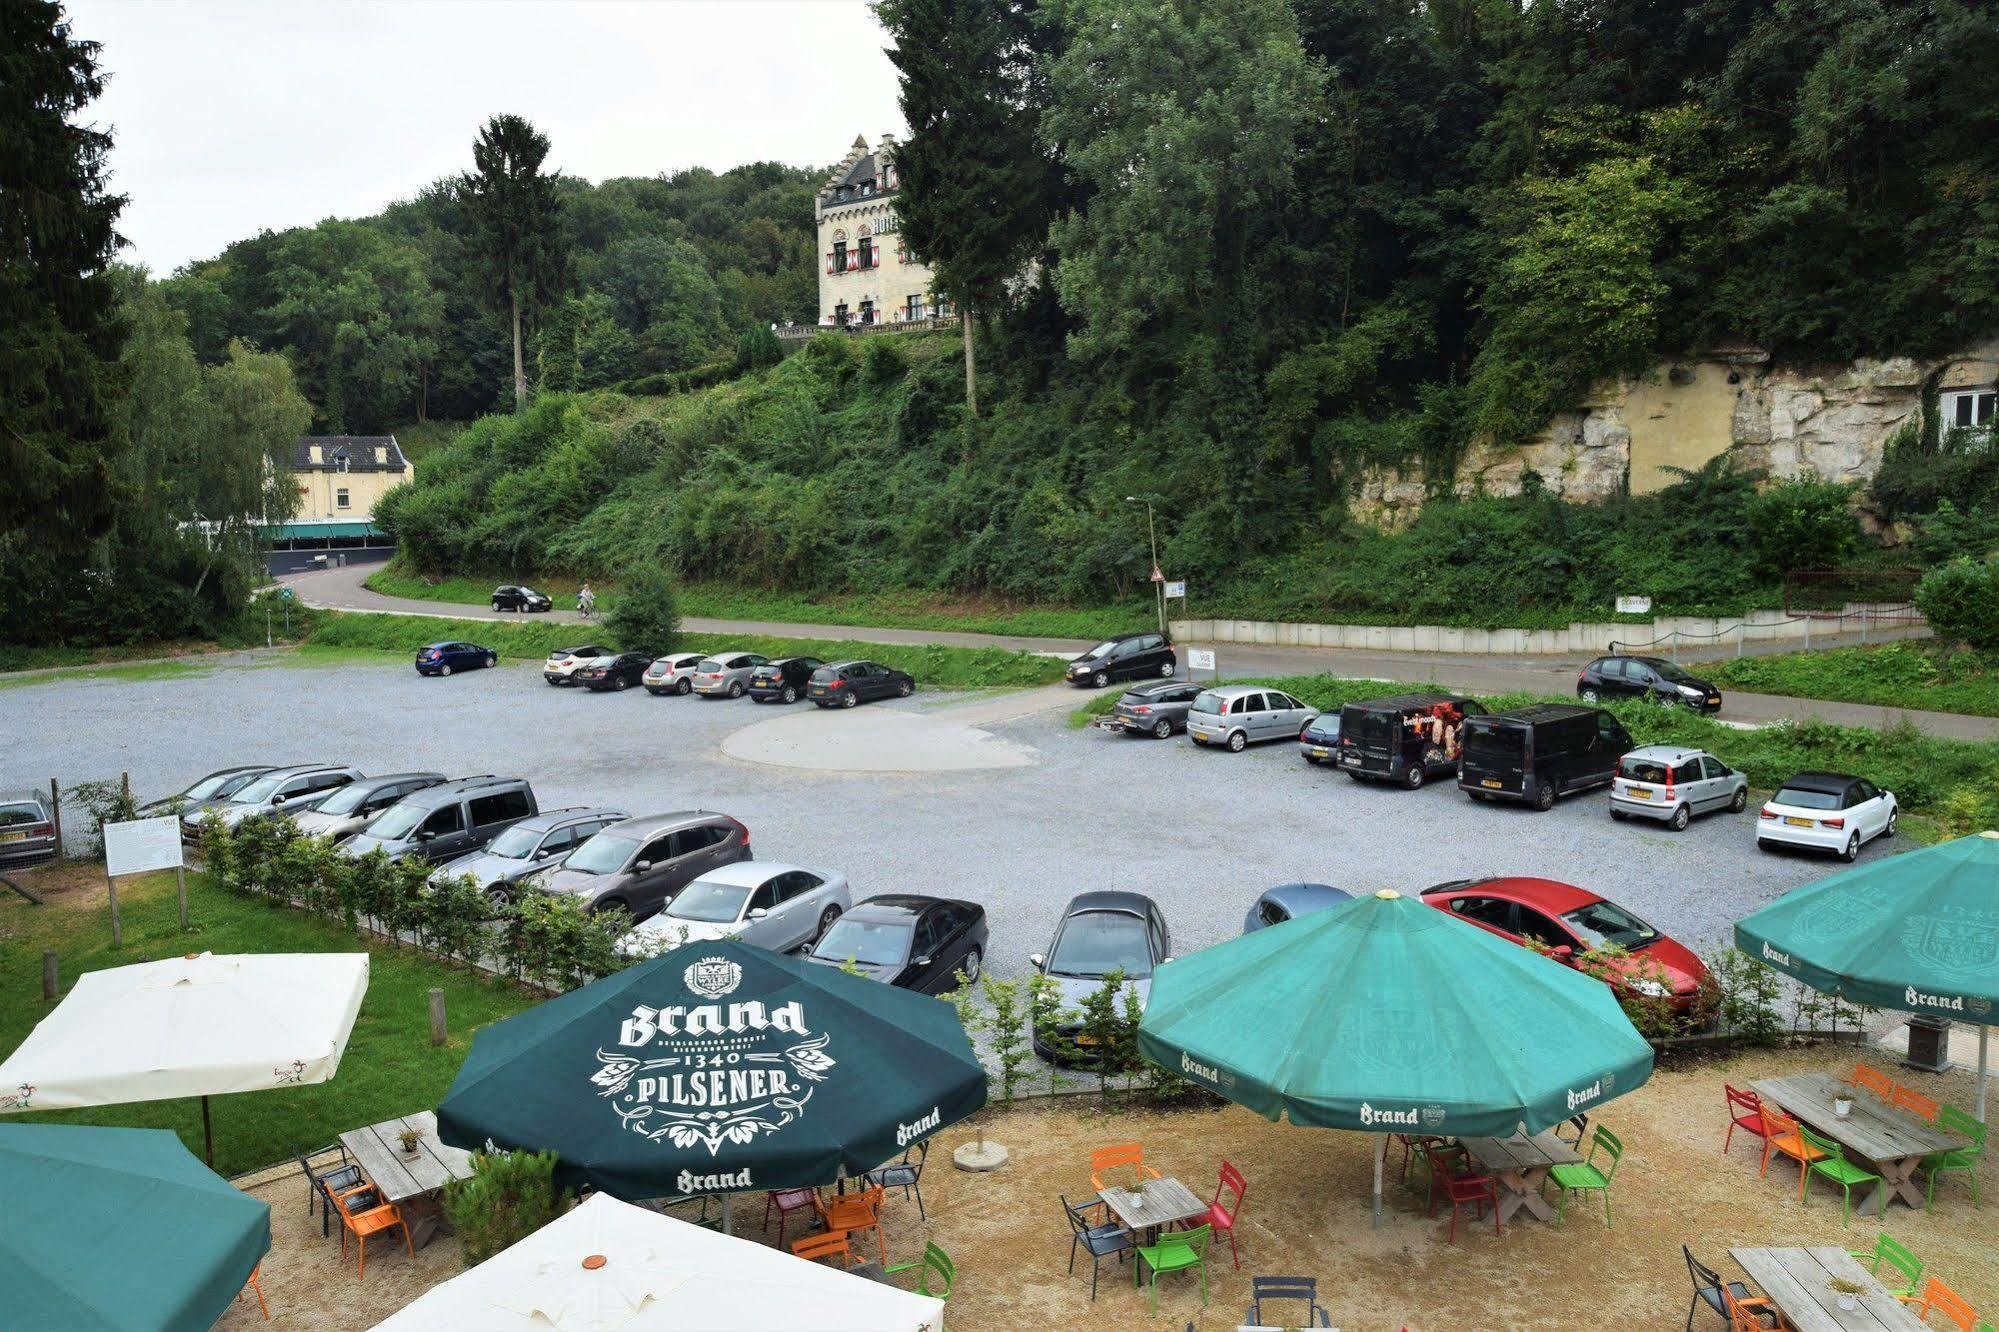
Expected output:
(125, 786)
(55, 807)
(437, 1027)
(117, 934)
(180, 887)
(50, 986)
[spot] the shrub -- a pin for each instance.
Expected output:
(647, 614)
(507, 1197)
(105, 802)
(1803, 523)
(1961, 602)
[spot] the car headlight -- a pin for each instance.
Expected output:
(1693, 691)
(1651, 989)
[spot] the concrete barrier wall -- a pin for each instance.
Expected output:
(1689, 631)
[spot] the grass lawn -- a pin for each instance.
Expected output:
(1921, 674)
(390, 1067)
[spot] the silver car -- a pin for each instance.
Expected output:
(1671, 783)
(27, 828)
(281, 790)
(528, 847)
(671, 674)
(1242, 715)
(209, 792)
(761, 902)
(344, 812)
(726, 674)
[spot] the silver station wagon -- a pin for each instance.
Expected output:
(1242, 715)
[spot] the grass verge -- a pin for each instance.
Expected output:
(390, 1067)
(1921, 674)
(245, 630)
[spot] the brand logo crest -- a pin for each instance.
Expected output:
(713, 977)
(1954, 945)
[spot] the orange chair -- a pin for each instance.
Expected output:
(1872, 1080)
(1117, 1158)
(257, 1290)
(856, 1211)
(1782, 1134)
(1942, 1299)
(367, 1221)
(1917, 1104)
(1743, 1315)
(1745, 1112)
(819, 1248)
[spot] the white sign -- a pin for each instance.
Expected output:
(141, 846)
(1633, 605)
(1200, 659)
(1177, 590)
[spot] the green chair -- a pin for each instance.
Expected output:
(1905, 1265)
(1176, 1251)
(1835, 1167)
(934, 1261)
(1964, 1160)
(1589, 1176)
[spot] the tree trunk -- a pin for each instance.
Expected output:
(971, 362)
(520, 375)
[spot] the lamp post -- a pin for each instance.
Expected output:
(1152, 537)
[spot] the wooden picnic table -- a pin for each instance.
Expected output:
(1520, 1165)
(1893, 1140)
(1796, 1282)
(1165, 1201)
(413, 1183)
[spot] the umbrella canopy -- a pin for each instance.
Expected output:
(714, 1068)
(1387, 1015)
(119, 1228)
(189, 1026)
(608, 1265)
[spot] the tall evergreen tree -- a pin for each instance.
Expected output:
(59, 330)
(517, 219)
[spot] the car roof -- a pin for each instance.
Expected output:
(779, 661)
(1667, 753)
(1404, 702)
(1237, 691)
(1536, 712)
(904, 906)
(459, 786)
(750, 873)
(593, 649)
(555, 818)
(1298, 893)
(852, 661)
(1151, 687)
(1119, 638)
(647, 824)
(1548, 894)
(295, 769)
(24, 795)
(1833, 783)
(1111, 899)
(385, 779)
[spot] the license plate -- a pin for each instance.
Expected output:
(1351, 760)
(1086, 1040)
(13, 837)
(1638, 792)
(1317, 752)
(1196, 737)
(1798, 823)
(1491, 783)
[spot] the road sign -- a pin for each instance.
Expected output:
(1633, 605)
(285, 593)
(142, 845)
(1177, 590)
(1157, 576)
(1200, 659)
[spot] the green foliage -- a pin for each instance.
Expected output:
(1926, 675)
(516, 227)
(507, 1197)
(1961, 602)
(105, 802)
(1803, 523)
(647, 611)
(756, 348)
(1747, 992)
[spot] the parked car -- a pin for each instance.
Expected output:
(1140, 656)
(620, 670)
(1288, 901)
(1671, 784)
(1537, 753)
(343, 812)
(672, 674)
(1098, 933)
(1570, 921)
(454, 655)
(281, 790)
(445, 821)
(536, 843)
(908, 940)
(1242, 715)
(1319, 742)
(1827, 811)
(1157, 709)
(725, 674)
(27, 828)
(1406, 739)
(761, 902)
(784, 679)
(205, 792)
(842, 684)
(1652, 678)
(637, 866)
(565, 662)
(520, 597)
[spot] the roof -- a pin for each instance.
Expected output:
(1665, 753)
(24, 795)
(647, 824)
(392, 777)
(1235, 691)
(362, 453)
(752, 873)
(555, 818)
(1300, 893)
(900, 906)
(1549, 894)
(457, 787)
(1405, 702)
(1150, 687)
(1536, 712)
(1111, 900)
(1835, 783)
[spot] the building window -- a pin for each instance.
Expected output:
(840, 313)
(340, 498)
(1969, 409)
(944, 307)
(867, 312)
(867, 256)
(915, 309)
(838, 257)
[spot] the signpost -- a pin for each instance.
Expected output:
(1177, 590)
(141, 846)
(1202, 659)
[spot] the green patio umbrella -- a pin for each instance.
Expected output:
(1917, 932)
(112, 1228)
(1386, 1015)
(717, 1068)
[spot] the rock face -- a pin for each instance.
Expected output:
(1785, 420)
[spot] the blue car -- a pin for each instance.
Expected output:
(1288, 901)
(444, 658)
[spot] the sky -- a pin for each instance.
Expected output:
(230, 118)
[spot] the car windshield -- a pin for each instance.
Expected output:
(873, 943)
(346, 799)
(396, 822)
(1101, 649)
(217, 784)
(260, 790)
(1672, 672)
(1208, 703)
(601, 855)
(527, 591)
(20, 814)
(1096, 943)
(1606, 923)
(230, 786)
(710, 903)
(516, 843)
(1797, 797)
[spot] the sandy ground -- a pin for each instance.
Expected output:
(1306, 1214)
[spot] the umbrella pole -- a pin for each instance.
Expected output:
(1380, 1157)
(1983, 1032)
(728, 1214)
(207, 1136)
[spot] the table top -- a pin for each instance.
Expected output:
(1795, 1280)
(1874, 1129)
(1165, 1201)
(1521, 1152)
(401, 1177)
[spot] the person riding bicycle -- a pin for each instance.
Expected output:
(586, 600)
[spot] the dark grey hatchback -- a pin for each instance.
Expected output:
(1158, 709)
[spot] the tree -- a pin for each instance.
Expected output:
(646, 616)
(516, 221)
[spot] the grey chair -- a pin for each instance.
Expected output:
(906, 1174)
(1091, 1228)
(1286, 1288)
(1708, 1288)
(322, 1185)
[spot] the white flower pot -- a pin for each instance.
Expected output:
(1842, 1106)
(1848, 1303)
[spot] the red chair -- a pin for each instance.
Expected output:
(1224, 1218)
(1745, 1112)
(787, 1201)
(1446, 1161)
(1467, 1190)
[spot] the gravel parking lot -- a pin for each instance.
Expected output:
(1202, 831)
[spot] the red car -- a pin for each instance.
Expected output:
(1572, 920)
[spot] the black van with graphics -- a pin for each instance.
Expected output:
(1537, 753)
(1406, 739)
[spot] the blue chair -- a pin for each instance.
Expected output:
(1091, 1227)
(1286, 1288)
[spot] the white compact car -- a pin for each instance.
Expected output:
(761, 902)
(1671, 784)
(671, 674)
(565, 662)
(1827, 811)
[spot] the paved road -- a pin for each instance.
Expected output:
(341, 589)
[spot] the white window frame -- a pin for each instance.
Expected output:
(1949, 401)
(340, 499)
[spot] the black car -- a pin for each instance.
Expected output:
(1319, 742)
(904, 939)
(1537, 753)
(842, 684)
(1158, 709)
(1406, 738)
(620, 671)
(1140, 656)
(518, 597)
(784, 679)
(1652, 678)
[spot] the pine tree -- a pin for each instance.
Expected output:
(516, 218)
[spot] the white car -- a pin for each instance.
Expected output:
(761, 902)
(565, 662)
(673, 674)
(1827, 811)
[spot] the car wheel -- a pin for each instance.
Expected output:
(905, 689)
(1618, 815)
(1166, 670)
(1237, 742)
(498, 606)
(445, 669)
(622, 683)
(1314, 760)
(609, 904)
(498, 898)
(970, 966)
(735, 689)
(686, 686)
(1100, 679)
(1681, 816)
(1894, 815)
(1741, 801)
(492, 660)
(826, 919)
(851, 700)
(1353, 776)
(789, 695)
(1412, 776)
(1590, 696)
(1852, 852)
(1162, 729)
(1544, 797)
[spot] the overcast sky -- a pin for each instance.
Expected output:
(233, 117)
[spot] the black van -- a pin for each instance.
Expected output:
(1537, 753)
(1408, 738)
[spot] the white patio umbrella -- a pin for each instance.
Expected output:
(607, 1266)
(198, 1025)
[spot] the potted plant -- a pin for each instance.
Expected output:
(1849, 1292)
(1842, 1104)
(409, 1138)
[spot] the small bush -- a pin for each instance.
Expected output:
(508, 1197)
(1803, 523)
(105, 802)
(647, 614)
(1961, 602)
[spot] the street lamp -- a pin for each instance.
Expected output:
(1152, 536)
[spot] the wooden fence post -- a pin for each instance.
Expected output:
(125, 786)
(180, 887)
(437, 1027)
(50, 987)
(55, 807)
(117, 934)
